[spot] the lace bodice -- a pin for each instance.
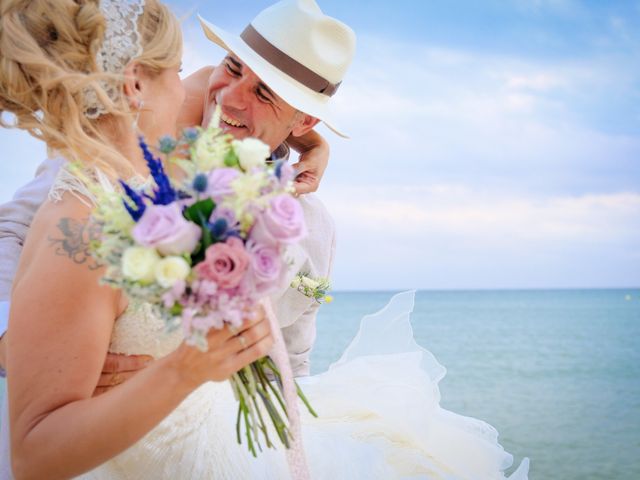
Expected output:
(139, 332)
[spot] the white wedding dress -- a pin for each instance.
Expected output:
(378, 407)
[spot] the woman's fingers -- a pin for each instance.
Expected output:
(254, 352)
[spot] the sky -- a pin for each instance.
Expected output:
(494, 143)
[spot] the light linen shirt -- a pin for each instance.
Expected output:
(296, 313)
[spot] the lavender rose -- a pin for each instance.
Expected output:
(164, 227)
(225, 263)
(219, 182)
(282, 222)
(265, 267)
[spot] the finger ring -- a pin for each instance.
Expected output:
(243, 341)
(115, 379)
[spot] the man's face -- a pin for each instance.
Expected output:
(249, 107)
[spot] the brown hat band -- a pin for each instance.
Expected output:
(286, 64)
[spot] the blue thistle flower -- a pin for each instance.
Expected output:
(163, 194)
(219, 227)
(167, 144)
(200, 183)
(190, 134)
(139, 206)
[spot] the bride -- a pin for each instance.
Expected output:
(379, 405)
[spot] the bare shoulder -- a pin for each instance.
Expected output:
(199, 78)
(195, 86)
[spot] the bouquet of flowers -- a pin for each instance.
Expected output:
(205, 248)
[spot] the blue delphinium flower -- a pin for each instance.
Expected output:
(139, 207)
(163, 194)
(200, 183)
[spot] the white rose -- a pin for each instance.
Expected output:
(251, 152)
(310, 283)
(170, 270)
(139, 263)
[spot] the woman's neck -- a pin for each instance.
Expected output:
(119, 132)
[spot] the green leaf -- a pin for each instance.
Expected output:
(231, 159)
(176, 310)
(200, 212)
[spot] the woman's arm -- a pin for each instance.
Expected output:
(60, 325)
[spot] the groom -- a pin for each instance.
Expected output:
(275, 83)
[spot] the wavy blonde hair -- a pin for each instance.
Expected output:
(48, 61)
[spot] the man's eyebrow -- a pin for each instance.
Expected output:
(237, 64)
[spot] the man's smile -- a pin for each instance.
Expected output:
(231, 121)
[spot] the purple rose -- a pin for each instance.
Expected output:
(219, 182)
(265, 267)
(287, 173)
(281, 222)
(164, 228)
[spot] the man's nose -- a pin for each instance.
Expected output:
(236, 94)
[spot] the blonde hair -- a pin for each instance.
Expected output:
(48, 61)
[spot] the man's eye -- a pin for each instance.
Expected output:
(262, 96)
(233, 72)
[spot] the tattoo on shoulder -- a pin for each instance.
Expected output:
(75, 240)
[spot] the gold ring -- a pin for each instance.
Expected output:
(243, 341)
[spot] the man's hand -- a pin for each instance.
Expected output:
(314, 158)
(118, 369)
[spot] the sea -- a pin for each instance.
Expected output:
(556, 372)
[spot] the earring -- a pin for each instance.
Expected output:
(135, 120)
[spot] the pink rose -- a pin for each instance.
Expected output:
(281, 222)
(163, 227)
(224, 263)
(219, 182)
(265, 267)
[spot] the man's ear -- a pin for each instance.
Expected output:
(133, 85)
(304, 125)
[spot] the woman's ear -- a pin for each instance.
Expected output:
(133, 85)
(304, 125)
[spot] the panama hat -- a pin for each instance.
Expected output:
(298, 51)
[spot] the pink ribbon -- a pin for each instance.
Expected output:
(295, 453)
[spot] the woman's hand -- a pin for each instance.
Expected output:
(314, 158)
(229, 351)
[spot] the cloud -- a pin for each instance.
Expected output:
(472, 169)
(450, 114)
(452, 236)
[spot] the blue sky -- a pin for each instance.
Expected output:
(495, 144)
